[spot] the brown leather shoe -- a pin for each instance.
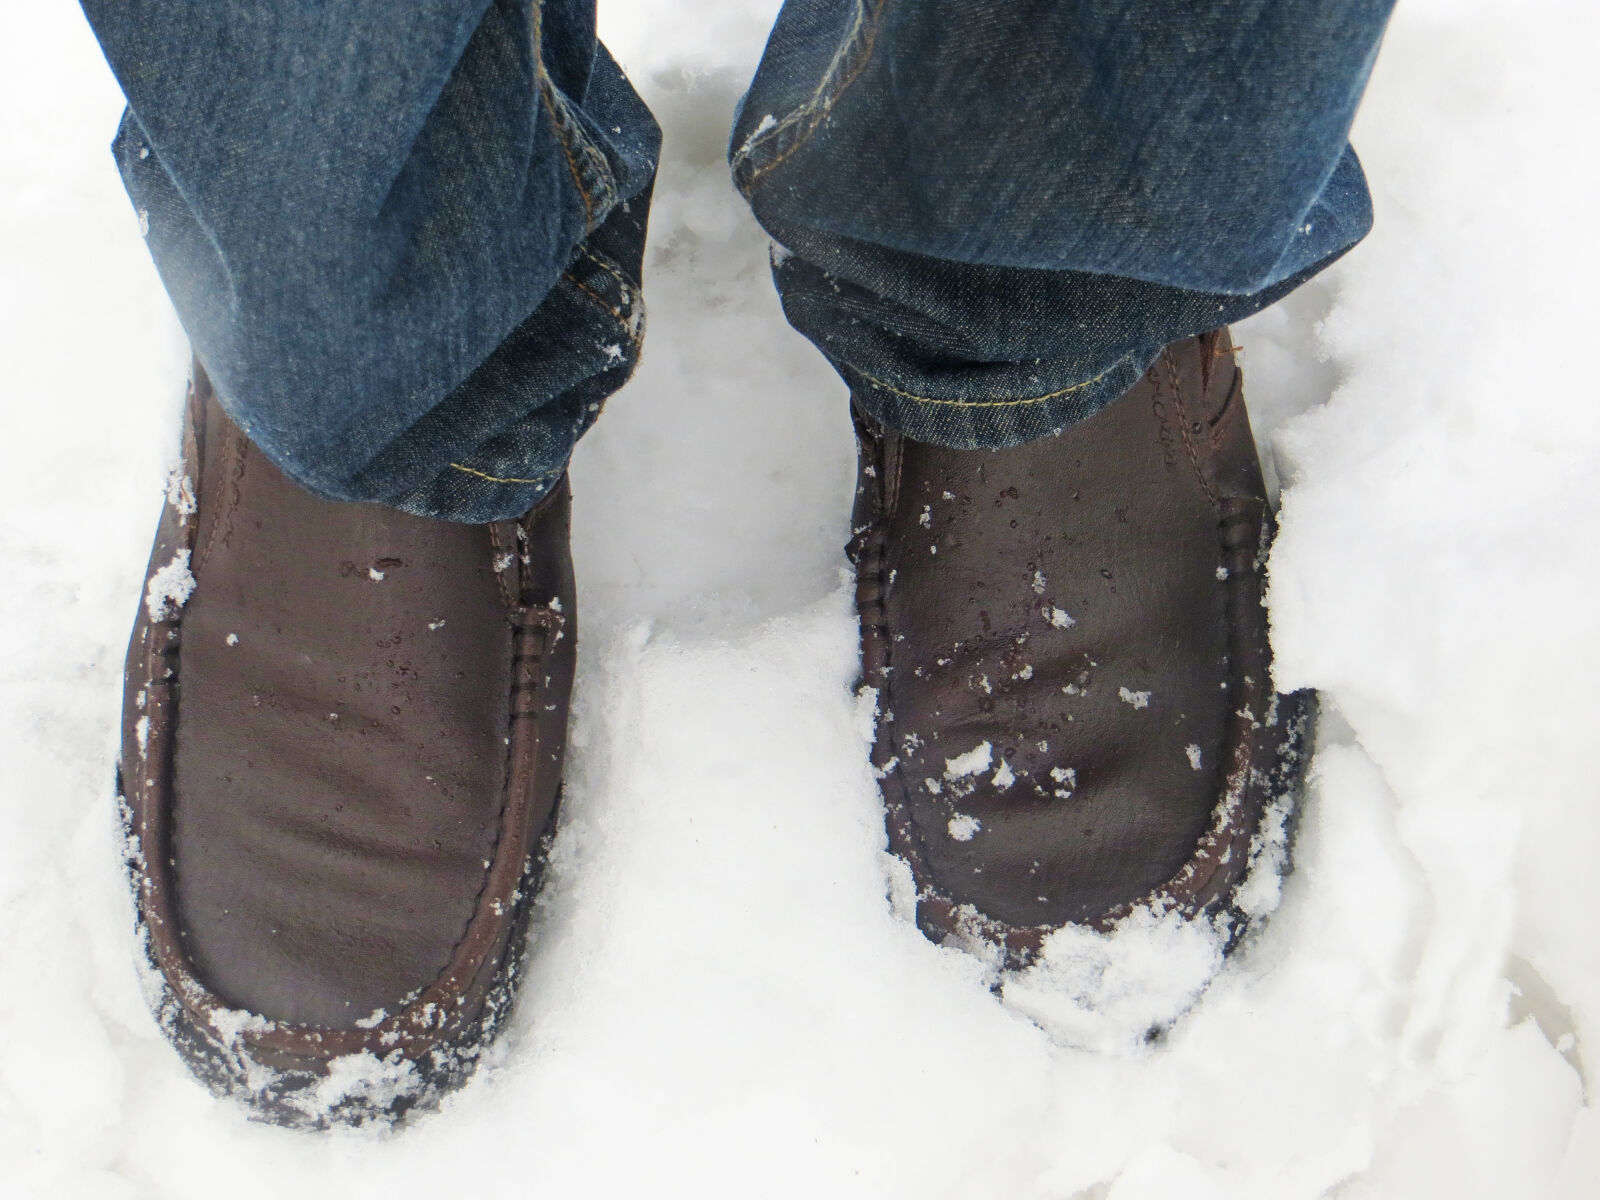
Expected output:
(342, 741)
(1069, 644)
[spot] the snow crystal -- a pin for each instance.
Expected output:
(1058, 617)
(963, 828)
(1039, 585)
(1193, 753)
(974, 760)
(435, 625)
(1137, 699)
(232, 639)
(374, 574)
(1004, 776)
(180, 492)
(169, 588)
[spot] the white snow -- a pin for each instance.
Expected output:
(180, 491)
(1192, 753)
(725, 980)
(1137, 699)
(972, 762)
(1066, 780)
(963, 828)
(1058, 617)
(169, 587)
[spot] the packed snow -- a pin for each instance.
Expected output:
(727, 997)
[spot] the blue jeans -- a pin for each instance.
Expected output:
(408, 251)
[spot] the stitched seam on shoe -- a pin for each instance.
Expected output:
(499, 547)
(1184, 421)
(849, 61)
(886, 629)
(996, 403)
(230, 463)
(505, 787)
(1223, 421)
(507, 775)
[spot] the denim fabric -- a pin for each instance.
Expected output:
(991, 215)
(407, 245)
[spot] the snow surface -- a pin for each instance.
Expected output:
(723, 1002)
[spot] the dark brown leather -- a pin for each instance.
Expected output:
(1089, 607)
(340, 751)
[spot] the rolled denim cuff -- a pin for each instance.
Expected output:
(986, 357)
(407, 252)
(991, 216)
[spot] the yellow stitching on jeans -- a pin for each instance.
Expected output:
(1077, 387)
(817, 107)
(572, 166)
(622, 322)
(608, 269)
(772, 131)
(500, 478)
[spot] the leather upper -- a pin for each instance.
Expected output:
(1070, 651)
(342, 742)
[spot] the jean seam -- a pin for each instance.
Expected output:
(1003, 402)
(629, 288)
(599, 191)
(849, 61)
(600, 302)
(624, 324)
(503, 478)
(632, 326)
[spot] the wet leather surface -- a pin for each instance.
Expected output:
(1066, 603)
(340, 754)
